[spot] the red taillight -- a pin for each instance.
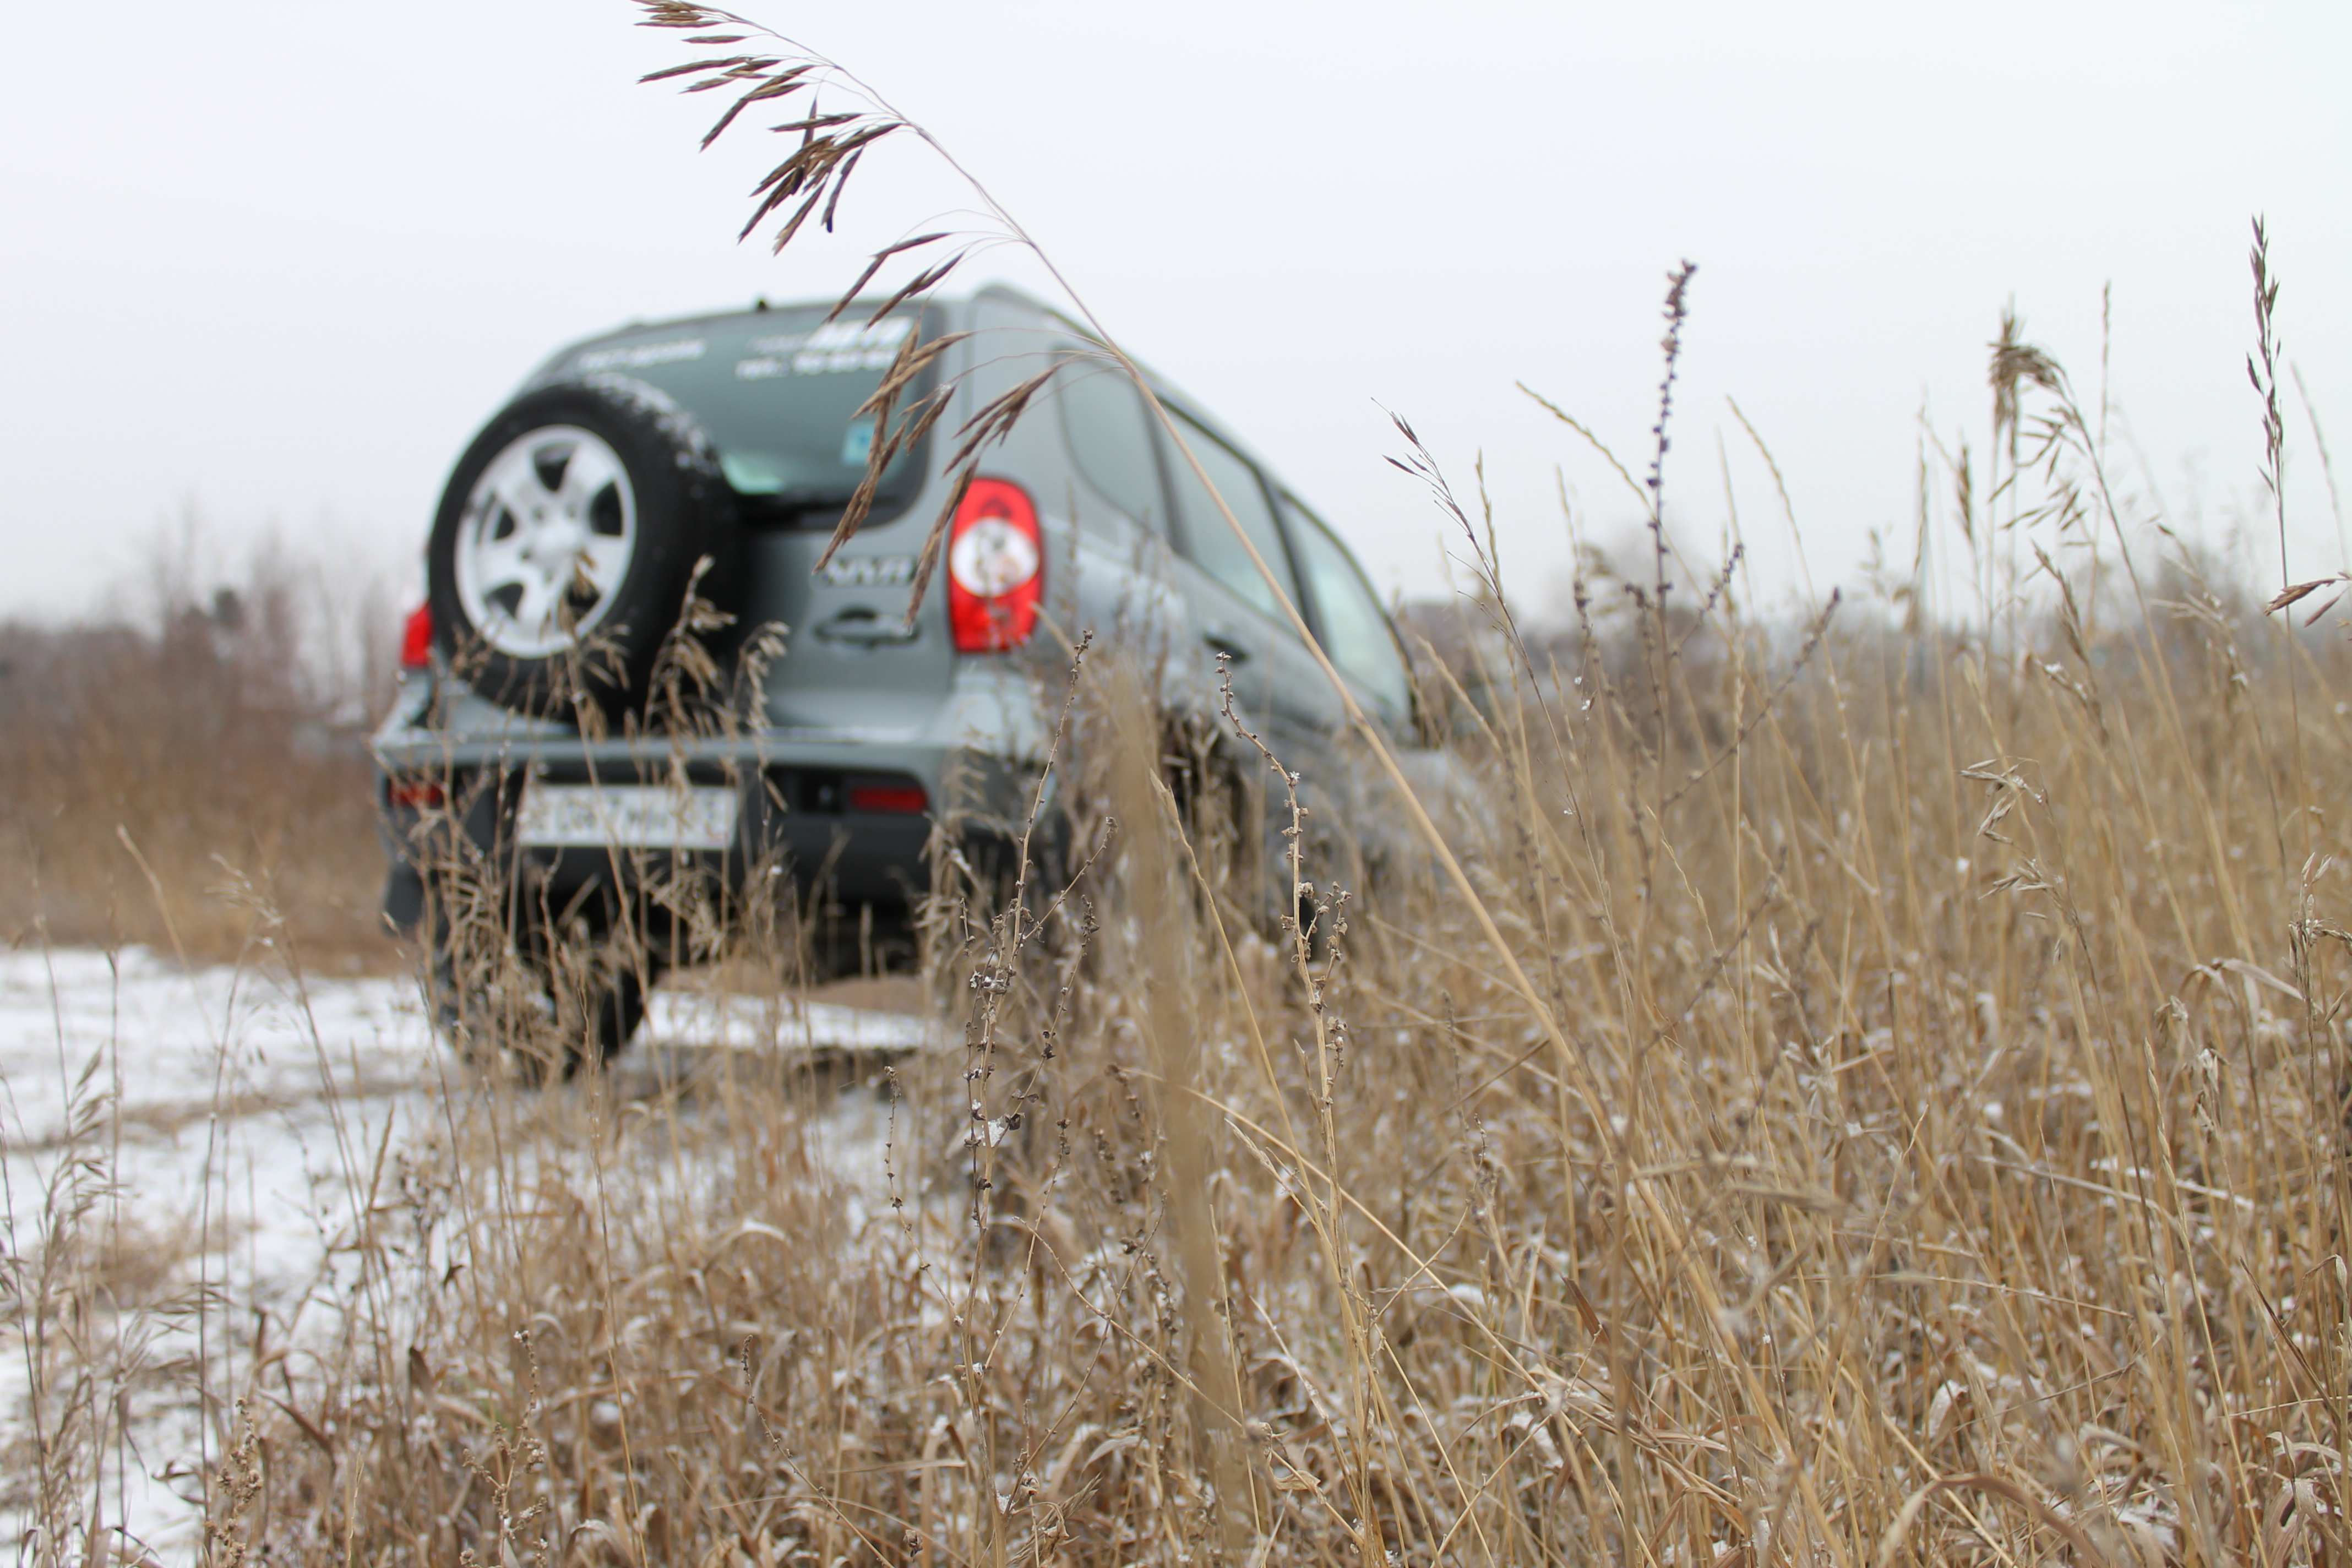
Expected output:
(416, 638)
(996, 568)
(416, 793)
(906, 799)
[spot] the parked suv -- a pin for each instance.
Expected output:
(535, 764)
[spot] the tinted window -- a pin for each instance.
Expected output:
(1208, 538)
(1104, 422)
(779, 393)
(1355, 632)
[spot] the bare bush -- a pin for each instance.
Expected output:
(219, 736)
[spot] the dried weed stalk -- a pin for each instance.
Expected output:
(1828, 1095)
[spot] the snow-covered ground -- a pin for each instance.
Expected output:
(212, 1129)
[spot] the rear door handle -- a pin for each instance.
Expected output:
(859, 627)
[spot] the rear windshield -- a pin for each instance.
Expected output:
(779, 393)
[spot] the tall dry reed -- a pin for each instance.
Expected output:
(1865, 1087)
(1924, 1143)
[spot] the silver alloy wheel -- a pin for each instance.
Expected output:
(544, 541)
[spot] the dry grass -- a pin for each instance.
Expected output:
(1875, 1093)
(218, 734)
(1924, 1143)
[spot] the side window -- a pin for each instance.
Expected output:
(1207, 538)
(1354, 630)
(1105, 425)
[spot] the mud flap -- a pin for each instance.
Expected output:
(403, 899)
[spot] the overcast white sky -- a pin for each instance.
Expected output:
(276, 261)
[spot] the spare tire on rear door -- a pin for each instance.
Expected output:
(566, 540)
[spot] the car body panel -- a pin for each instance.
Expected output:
(862, 689)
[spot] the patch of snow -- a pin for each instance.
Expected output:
(230, 1124)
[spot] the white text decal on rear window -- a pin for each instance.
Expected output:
(849, 345)
(637, 355)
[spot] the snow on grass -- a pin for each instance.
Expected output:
(219, 1132)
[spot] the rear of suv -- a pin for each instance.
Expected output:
(636, 655)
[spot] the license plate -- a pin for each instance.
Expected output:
(630, 816)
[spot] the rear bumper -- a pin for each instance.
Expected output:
(448, 804)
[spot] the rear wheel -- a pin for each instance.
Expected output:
(566, 540)
(543, 1009)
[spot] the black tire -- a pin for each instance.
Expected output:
(540, 1007)
(674, 509)
(544, 1027)
(595, 1024)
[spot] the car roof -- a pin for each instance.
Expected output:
(958, 304)
(763, 306)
